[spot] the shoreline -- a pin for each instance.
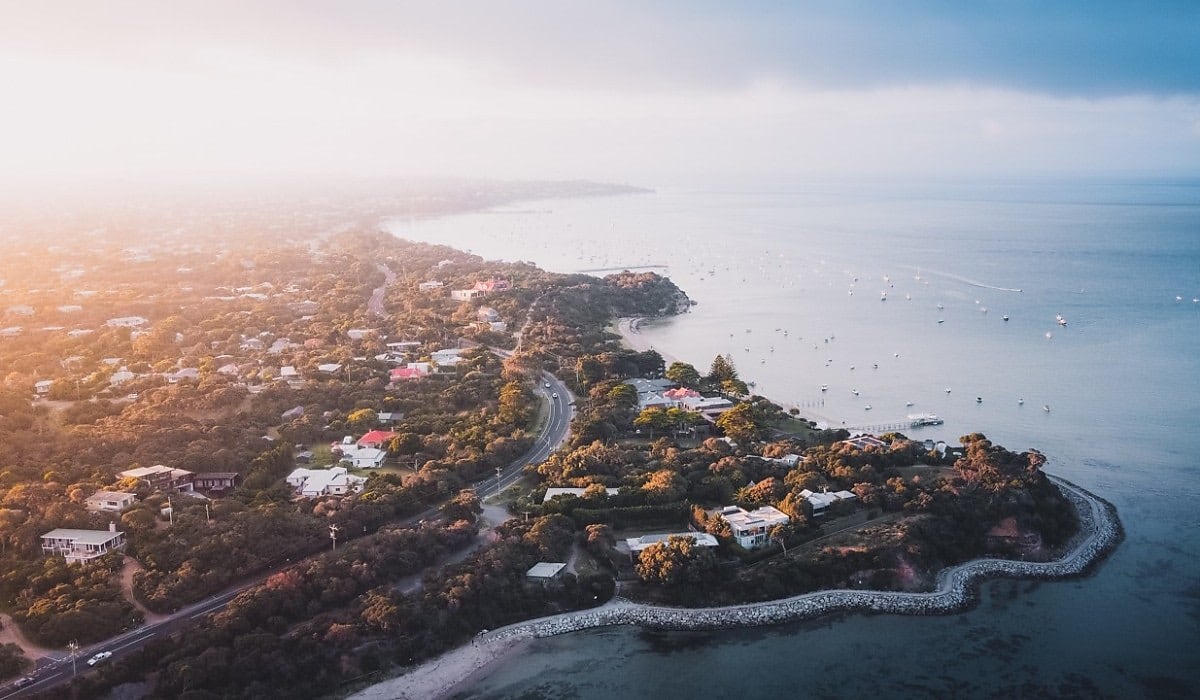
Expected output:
(957, 589)
(630, 330)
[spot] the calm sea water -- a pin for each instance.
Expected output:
(791, 283)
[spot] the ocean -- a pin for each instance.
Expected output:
(911, 298)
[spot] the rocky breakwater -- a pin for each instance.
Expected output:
(957, 587)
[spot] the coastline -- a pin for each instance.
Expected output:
(957, 589)
(630, 330)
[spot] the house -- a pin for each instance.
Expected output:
(752, 529)
(389, 417)
(429, 286)
(288, 372)
(862, 442)
(306, 307)
(329, 367)
(492, 285)
(127, 322)
(161, 478)
(700, 539)
(545, 572)
(654, 399)
(121, 376)
(364, 457)
(817, 503)
(292, 413)
(412, 370)
(487, 314)
(43, 387)
(217, 481)
(376, 439)
(78, 546)
(335, 481)
(555, 492)
(109, 501)
(446, 357)
(465, 294)
(229, 369)
(360, 333)
(181, 374)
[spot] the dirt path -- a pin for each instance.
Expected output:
(11, 634)
(128, 569)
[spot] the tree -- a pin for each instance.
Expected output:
(740, 424)
(623, 395)
(722, 369)
(464, 506)
(652, 419)
(362, 420)
(684, 374)
(677, 561)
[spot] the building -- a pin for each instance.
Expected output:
(161, 478)
(364, 457)
(817, 503)
(412, 370)
(752, 529)
(545, 572)
(109, 501)
(43, 387)
(336, 481)
(700, 539)
(429, 286)
(465, 294)
(446, 357)
(216, 481)
(377, 439)
(862, 442)
(78, 546)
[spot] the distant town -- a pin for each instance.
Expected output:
(260, 457)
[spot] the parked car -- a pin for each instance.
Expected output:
(99, 657)
(555, 395)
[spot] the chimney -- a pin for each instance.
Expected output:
(112, 526)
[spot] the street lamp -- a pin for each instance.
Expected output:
(333, 531)
(73, 646)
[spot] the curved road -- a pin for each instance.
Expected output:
(59, 669)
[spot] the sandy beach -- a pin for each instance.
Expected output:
(629, 328)
(440, 678)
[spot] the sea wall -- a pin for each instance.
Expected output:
(957, 588)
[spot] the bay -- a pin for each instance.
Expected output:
(843, 284)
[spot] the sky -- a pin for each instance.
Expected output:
(143, 93)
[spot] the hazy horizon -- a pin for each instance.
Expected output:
(136, 94)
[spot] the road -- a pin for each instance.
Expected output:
(553, 434)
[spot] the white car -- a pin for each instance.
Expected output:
(99, 657)
(554, 396)
(546, 385)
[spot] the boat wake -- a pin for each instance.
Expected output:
(971, 282)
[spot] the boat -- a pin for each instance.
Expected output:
(867, 407)
(1060, 320)
(947, 390)
(941, 320)
(919, 419)
(908, 404)
(978, 399)
(824, 387)
(1004, 317)
(1046, 408)
(854, 391)
(1020, 402)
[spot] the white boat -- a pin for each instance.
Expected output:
(1060, 320)
(941, 320)
(867, 407)
(1046, 408)
(854, 391)
(1005, 317)
(918, 419)
(947, 390)
(824, 387)
(908, 404)
(1020, 402)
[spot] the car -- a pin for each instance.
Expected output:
(99, 657)
(546, 385)
(555, 395)
(22, 682)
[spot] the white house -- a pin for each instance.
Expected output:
(364, 457)
(329, 367)
(109, 501)
(43, 387)
(700, 539)
(78, 546)
(752, 529)
(818, 502)
(465, 294)
(429, 286)
(335, 481)
(446, 357)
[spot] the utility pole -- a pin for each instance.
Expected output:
(73, 646)
(333, 531)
